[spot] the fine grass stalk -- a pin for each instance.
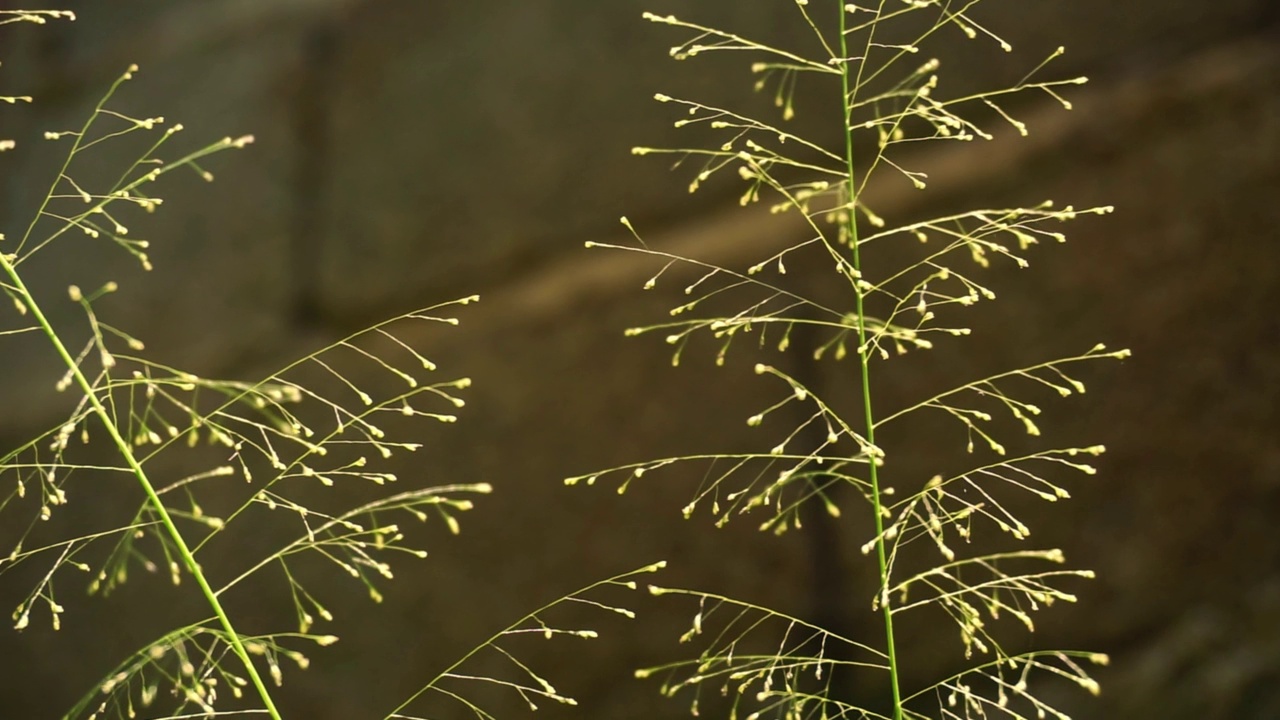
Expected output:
(879, 112)
(216, 459)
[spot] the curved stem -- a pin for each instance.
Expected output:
(126, 452)
(848, 82)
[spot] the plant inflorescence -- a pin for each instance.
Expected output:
(902, 287)
(195, 460)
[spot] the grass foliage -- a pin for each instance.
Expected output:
(264, 451)
(253, 454)
(884, 101)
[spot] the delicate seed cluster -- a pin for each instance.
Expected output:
(816, 448)
(278, 438)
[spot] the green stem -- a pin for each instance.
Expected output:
(126, 451)
(864, 354)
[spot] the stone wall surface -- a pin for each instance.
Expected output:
(411, 151)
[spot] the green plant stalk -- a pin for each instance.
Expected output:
(188, 559)
(864, 357)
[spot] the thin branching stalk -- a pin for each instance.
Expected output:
(125, 449)
(529, 683)
(884, 109)
(122, 446)
(287, 437)
(851, 77)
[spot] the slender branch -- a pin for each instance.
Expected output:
(850, 80)
(126, 452)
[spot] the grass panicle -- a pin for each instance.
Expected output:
(202, 459)
(885, 100)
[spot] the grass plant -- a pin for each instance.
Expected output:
(903, 287)
(201, 459)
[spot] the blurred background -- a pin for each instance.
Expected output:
(413, 151)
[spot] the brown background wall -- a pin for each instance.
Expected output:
(409, 152)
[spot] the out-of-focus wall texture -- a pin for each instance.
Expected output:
(411, 151)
